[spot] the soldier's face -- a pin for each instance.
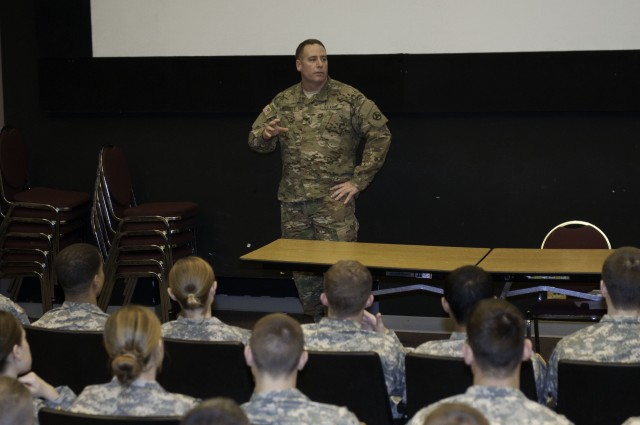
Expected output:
(313, 66)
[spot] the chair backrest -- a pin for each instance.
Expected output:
(598, 393)
(49, 416)
(14, 176)
(116, 177)
(431, 378)
(206, 369)
(72, 358)
(576, 235)
(354, 380)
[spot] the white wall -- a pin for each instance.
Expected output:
(275, 27)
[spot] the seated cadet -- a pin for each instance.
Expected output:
(216, 411)
(495, 349)
(455, 414)
(349, 327)
(15, 362)
(193, 285)
(16, 407)
(80, 273)
(616, 338)
(463, 288)
(275, 354)
(7, 305)
(133, 340)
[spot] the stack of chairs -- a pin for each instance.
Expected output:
(138, 240)
(36, 222)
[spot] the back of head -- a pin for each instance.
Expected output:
(216, 411)
(16, 405)
(132, 336)
(276, 344)
(76, 265)
(455, 414)
(464, 287)
(495, 333)
(190, 280)
(621, 275)
(10, 335)
(347, 286)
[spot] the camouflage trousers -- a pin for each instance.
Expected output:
(318, 219)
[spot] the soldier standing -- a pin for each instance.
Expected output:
(319, 124)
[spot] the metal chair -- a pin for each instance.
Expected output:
(573, 234)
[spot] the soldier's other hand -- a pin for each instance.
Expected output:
(346, 191)
(38, 386)
(273, 129)
(373, 322)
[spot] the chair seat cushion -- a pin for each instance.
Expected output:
(61, 199)
(169, 210)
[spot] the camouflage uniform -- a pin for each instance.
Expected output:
(346, 335)
(452, 347)
(211, 329)
(140, 398)
(291, 407)
(613, 339)
(501, 406)
(74, 316)
(63, 402)
(319, 152)
(7, 305)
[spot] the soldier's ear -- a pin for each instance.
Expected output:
(303, 360)
(467, 354)
(527, 351)
(323, 299)
(248, 356)
(171, 294)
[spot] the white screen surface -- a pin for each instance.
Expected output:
(123, 28)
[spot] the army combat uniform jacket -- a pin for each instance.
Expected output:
(73, 316)
(319, 150)
(501, 406)
(210, 329)
(7, 305)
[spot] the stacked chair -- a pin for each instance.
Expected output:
(36, 222)
(138, 240)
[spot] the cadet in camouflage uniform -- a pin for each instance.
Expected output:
(463, 288)
(349, 327)
(192, 284)
(616, 338)
(133, 340)
(15, 362)
(275, 354)
(80, 273)
(319, 124)
(7, 305)
(495, 350)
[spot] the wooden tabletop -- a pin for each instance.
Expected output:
(372, 255)
(545, 261)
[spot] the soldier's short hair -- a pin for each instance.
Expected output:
(347, 286)
(464, 287)
(621, 275)
(11, 332)
(76, 265)
(131, 336)
(190, 280)
(305, 43)
(495, 333)
(216, 411)
(16, 403)
(276, 343)
(455, 414)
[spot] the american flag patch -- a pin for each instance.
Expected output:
(267, 109)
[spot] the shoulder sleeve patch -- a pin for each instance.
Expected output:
(267, 110)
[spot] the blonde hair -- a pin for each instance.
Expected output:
(132, 336)
(190, 280)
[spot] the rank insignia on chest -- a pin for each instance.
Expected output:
(267, 109)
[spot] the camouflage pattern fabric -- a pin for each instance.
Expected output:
(63, 402)
(211, 329)
(141, 398)
(7, 305)
(613, 339)
(346, 335)
(291, 407)
(73, 316)
(501, 406)
(452, 347)
(319, 150)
